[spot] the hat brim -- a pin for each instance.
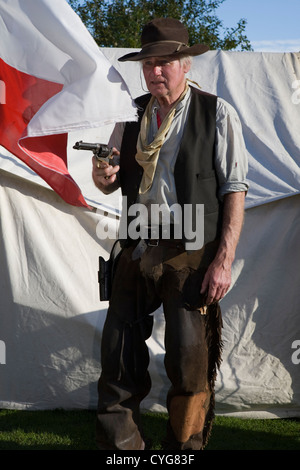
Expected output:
(155, 50)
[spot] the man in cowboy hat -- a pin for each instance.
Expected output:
(186, 151)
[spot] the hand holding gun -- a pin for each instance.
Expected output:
(105, 165)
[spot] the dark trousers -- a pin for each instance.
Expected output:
(167, 275)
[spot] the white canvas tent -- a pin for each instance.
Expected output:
(51, 317)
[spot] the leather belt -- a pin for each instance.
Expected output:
(142, 244)
(164, 242)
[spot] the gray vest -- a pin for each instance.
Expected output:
(195, 176)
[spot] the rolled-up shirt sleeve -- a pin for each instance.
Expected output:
(231, 158)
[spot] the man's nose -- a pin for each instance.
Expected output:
(157, 69)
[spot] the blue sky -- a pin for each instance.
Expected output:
(272, 25)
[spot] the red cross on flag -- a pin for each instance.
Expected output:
(54, 79)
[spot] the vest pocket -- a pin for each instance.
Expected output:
(206, 174)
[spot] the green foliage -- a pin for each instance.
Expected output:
(119, 23)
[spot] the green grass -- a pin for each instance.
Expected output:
(74, 430)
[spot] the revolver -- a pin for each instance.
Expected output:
(101, 151)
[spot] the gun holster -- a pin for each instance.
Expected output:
(107, 270)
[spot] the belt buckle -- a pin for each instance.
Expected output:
(153, 242)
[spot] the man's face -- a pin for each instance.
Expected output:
(165, 78)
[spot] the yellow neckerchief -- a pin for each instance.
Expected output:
(147, 154)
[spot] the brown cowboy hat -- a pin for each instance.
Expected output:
(165, 37)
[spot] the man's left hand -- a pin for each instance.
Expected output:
(216, 282)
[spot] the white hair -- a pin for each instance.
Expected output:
(186, 60)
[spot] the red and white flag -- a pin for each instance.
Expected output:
(54, 79)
